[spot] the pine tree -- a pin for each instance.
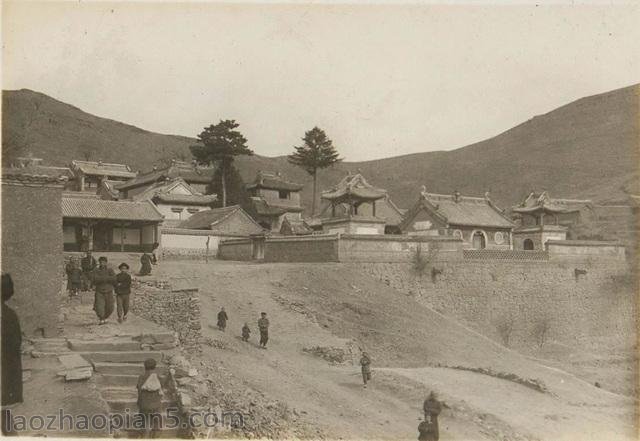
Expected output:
(220, 143)
(316, 153)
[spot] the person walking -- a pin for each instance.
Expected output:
(365, 364)
(87, 264)
(123, 291)
(246, 332)
(222, 319)
(74, 277)
(150, 398)
(103, 279)
(145, 261)
(11, 355)
(428, 429)
(263, 326)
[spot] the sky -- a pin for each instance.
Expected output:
(381, 79)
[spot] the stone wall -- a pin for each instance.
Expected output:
(31, 249)
(174, 308)
(523, 301)
(180, 243)
(303, 249)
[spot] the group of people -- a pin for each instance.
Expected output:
(79, 274)
(263, 327)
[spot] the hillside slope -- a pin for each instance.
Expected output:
(588, 148)
(411, 347)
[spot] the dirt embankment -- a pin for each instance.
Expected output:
(323, 315)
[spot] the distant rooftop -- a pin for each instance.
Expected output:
(273, 181)
(536, 202)
(353, 186)
(177, 169)
(99, 168)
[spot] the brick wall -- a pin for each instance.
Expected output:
(176, 309)
(31, 250)
(597, 299)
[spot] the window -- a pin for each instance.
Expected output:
(498, 238)
(479, 242)
(528, 244)
(284, 194)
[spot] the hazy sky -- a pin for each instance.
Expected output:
(381, 80)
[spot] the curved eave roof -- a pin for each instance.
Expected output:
(358, 193)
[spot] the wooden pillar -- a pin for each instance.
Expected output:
(374, 208)
(81, 181)
(122, 237)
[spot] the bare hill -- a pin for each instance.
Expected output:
(588, 148)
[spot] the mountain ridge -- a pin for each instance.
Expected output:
(585, 148)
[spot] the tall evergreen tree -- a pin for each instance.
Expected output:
(237, 193)
(316, 153)
(220, 144)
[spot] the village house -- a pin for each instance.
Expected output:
(198, 178)
(89, 174)
(475, 220)
(175, 199)
(540, 218)
(91, 223)
(274, 198)
(353, 207)
(231, 220)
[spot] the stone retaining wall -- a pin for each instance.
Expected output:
(523, 302)
(176, 309)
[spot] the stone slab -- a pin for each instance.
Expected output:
(104, 345)
(73, 361)
(121, 356)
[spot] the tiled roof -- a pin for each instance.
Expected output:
(543, 202)
(109, 187)
(103, 169)
(273, 181)
(182, 170)
(85, 208)
(209, 219)
(265, 209)
(161, 191)
(354, 185)
(297, 228)
(35, 175)
(187, 199)
(385, 209)
(465, 211)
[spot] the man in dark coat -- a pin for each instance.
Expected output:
(88, 264)
(365, 363)
(246, 332)
(222, 319)
(11, 353)
(74, 277)
(428, 428)
(150, 398)
(104, 280)
(145, 260)
(123, 291)
(263, 326)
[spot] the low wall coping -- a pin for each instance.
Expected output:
(190, 232)
(399, 238)
(584, 243)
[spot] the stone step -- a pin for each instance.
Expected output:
(121, 404)
(117, 381)
(121, 356)
(119, 368)
(104, 345)
(136, 369)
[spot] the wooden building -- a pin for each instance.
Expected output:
(89, 174)
(90, 223)
(475, 220)
(274, 198)
(231, 220)
(198, 178)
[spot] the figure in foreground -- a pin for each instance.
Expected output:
(150, 398)
(365, 363)
(428, 429)
(263, 326)
(104, 280)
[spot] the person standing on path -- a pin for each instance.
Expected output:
(150, 398)
(123, 291)
(11, 355)
(246, 332)
(145, 261)
(365, 363)
(222, 319)
(428, 428)
(263, 326)
(88, 264)
(104, 280)
(74, 277)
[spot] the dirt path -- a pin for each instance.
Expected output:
(332, 397)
